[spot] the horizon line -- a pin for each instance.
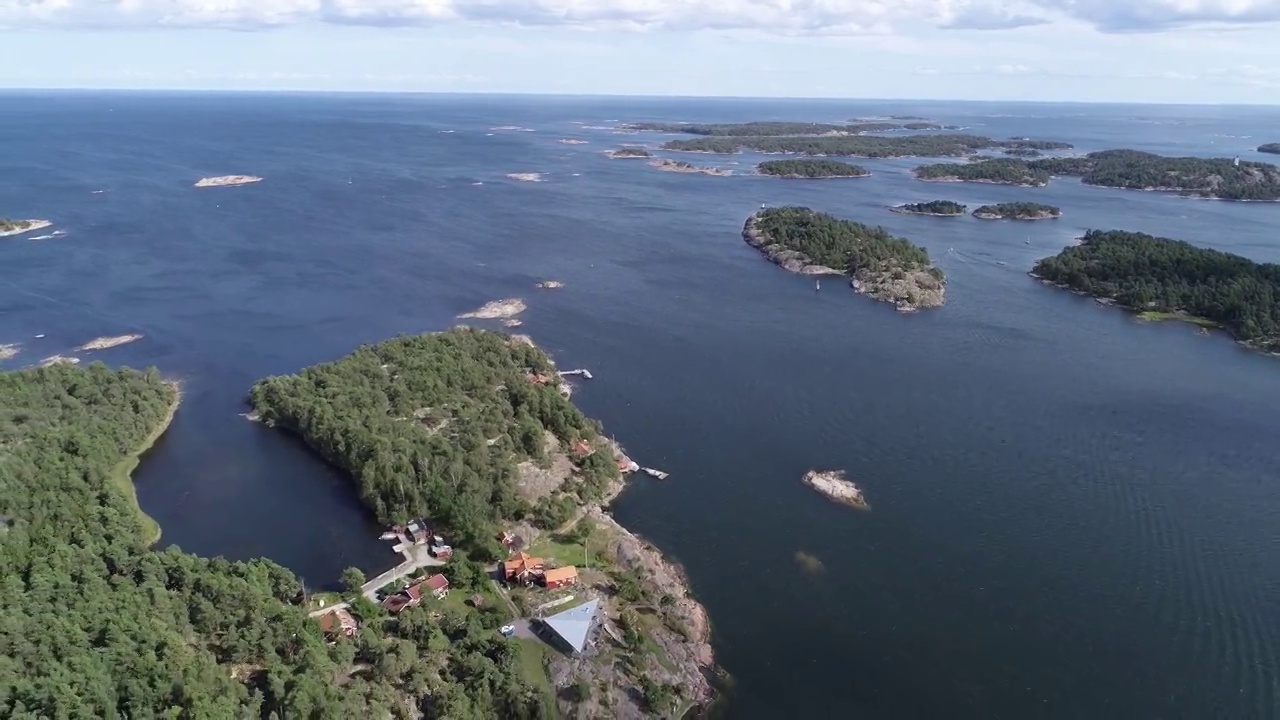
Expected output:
(611, 95)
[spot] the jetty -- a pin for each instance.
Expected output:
(655, 473)
(420, 548)
(580, 371)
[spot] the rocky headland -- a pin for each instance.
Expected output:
(17, 227)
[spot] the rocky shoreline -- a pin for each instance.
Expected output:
(954, 179)
(24, 226)
(998, 216)
(898, 209)
(227, 180)
(834, 485)
(914, 290)
(684, 167)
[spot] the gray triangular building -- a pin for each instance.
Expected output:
(574, 625)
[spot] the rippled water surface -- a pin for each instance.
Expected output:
(1074, 513)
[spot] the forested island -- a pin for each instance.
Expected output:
(681, 166)
(1022, 152)
(470, 429)
(1171, 279)
(630, 152)
(1273, 148)
(772, 128)
(811, 168)
(887, 268)
(1220, 178)
(999, 171)
(17, 227)
(851, 145)
(1017, 211)
(937, 208)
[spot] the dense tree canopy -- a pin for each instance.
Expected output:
(433, 425)
(840, 244)
(1273, 148)
(630, 151)
(1018, 211)
(933, 207)
(1004, 171)
(1204, 177)
(1022, 152)
(811, 168)
(1153, 273)
(96, 625)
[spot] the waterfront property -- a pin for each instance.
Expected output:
(436, 585)
(572, 628)
(339, 623)
(557, 578)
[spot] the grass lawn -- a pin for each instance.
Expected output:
(533, 667)
(1154, 315)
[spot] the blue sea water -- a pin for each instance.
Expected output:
(1073, 512)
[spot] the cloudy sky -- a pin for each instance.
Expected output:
(1195, 51)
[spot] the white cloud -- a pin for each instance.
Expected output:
(787, 17)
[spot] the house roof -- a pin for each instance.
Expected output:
(560, 574)
(574, 625)
(437, 582)
(522, 562)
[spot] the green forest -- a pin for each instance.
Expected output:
(841, 244)
(434, 425)
(1004, 171)
(1204, 177)
(1273, 148)
(840, 145)
(1022, 152)
(933, 207)
(765, 129)
(1029, 144)
(811, 168)
(1149, 273)
(96, 625)
(1017, 211)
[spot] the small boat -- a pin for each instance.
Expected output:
(655, 473)
(817, 285)
(389, 535)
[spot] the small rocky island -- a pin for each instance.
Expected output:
(227, 180)
(681, 166)
(935, 208)
(1017, 211)
(811, 168)
(18, 227)
(1217, 178)
(629, 152)
(833, 484)
(884, 267)
(497, 310)
(999, 171)
(1273, 148)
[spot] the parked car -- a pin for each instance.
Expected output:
(507, 630)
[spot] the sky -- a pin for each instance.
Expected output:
(1150, 51)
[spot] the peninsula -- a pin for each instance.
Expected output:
(684, 167)
(936, 208)
(1000, 171)
(884, 267)
(227, 180)
(811, 169)
(18, 227)
(469, 429)
(1170, 279)
(1273, 148)
(1017, 211)
(629, 152)
(1217, 178)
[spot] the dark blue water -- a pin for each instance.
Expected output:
(1074, 513)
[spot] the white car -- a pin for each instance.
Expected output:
(507, 630)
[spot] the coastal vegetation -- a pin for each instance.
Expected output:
(1000, 171)
(630, 151)
(943, 208)
(766, 129)
(1017, 211)
(17, 227)
(1022, 152)
(840, 145)
(686, 167)
(1174, 278)
(97, 625)
(811, 168)
(1273, 148)
(1029, 144)
(885, 267)
(1222, 178)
